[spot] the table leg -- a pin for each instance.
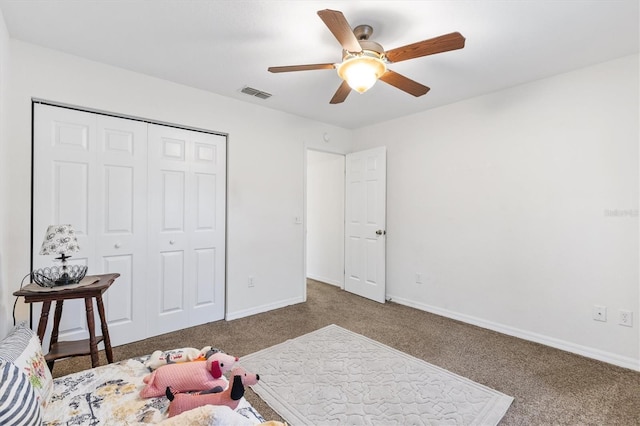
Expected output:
(56, 323)
(56, 328)
(105, 330)
(44, 318)
(42, 326)
(91, 325)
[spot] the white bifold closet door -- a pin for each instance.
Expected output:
(186, 228)
(148, 202)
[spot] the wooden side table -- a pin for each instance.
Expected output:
(88, 292)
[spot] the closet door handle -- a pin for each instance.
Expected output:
(117, 245)
(172, 242)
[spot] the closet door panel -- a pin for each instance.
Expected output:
(63, 193)
(120, 314)
(120, 214)
(205, 260)
(90, 171)
(63, 190)
(208, 154)
(172, 283)
(70, 195)
(168, 243)
(188, 192)
(205, 202)
(173, 198)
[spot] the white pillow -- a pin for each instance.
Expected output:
(22, 348)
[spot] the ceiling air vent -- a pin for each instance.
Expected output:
(255, 92)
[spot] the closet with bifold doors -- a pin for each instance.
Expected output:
(147, 201)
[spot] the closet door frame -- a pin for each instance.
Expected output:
(88, 256)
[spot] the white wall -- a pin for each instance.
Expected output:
(265, 166)
(325, 217)
(5, 296)
(520, 208)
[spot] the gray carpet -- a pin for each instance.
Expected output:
(550, 387)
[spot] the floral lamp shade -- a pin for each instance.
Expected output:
(60, 239)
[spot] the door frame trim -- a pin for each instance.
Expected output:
(308, 148)
(119, 115)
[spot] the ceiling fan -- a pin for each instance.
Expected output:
(365, 61)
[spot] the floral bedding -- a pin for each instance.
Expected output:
(109, 395)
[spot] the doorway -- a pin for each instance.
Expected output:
(345, 236)
(325, 189)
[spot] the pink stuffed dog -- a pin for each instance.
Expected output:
(189, 376)
(230, 397)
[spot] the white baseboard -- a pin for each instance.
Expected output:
(608, 357)
(325, 280)
(263, 308)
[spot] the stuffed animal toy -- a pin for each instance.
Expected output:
(189, 376)
(160, 358)
(181, 402)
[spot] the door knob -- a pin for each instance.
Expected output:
(381, 232)
(172, 242)
(117, 245)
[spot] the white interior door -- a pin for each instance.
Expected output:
(89, 171)
(120, 229)
(365, 223)
(64, 149)
(187, 180)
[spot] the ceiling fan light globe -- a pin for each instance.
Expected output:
(360, 77)
(361, 72)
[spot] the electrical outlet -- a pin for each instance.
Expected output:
(418, 278)
(251, 284)
(599, 313)
(626, 318)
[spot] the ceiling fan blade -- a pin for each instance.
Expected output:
(302, 67)
(443, 43)
(341, 94)
(338, 25)
(403, 83)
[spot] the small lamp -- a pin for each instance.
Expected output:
(59, 239)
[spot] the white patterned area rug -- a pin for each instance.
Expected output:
(333, 376)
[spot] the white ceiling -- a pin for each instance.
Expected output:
(222, 46)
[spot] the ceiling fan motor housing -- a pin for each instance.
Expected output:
(363, 32)
(372, 46)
